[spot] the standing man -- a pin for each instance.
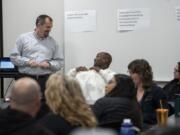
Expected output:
(36, 54)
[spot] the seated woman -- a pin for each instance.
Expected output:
(149, 94)
(119, 103)
(172, 89)
(69, 110)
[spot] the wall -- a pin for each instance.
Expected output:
(159, 43)
(19, 17)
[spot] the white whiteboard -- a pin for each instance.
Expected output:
(159, 44)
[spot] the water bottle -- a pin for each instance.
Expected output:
(127, 128)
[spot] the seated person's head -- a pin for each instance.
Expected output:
(64, 97)
(102, 60)
(177, 71)
(25, 96)
(141, 73)
(121, 86)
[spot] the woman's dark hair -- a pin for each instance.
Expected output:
(41, 19)
(124, 87)
(144, 70)
(178, 66)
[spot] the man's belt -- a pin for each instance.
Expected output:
(35, 76)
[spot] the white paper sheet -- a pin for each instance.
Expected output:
(178, 16)
(132, 19)
(80, 21)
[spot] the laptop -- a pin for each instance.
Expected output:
(7, 65)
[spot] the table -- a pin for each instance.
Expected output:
(173, 121)
(6, 74)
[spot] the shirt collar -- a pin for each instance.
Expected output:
(37, 37)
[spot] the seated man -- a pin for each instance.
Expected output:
(93, 80)
(19, 118)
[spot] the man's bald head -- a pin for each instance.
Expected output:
(25, 94)
(25, 91)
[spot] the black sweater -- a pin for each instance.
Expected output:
(13, 122)
(57, 124)
(151, 101)
(172, 89)
(115, 109)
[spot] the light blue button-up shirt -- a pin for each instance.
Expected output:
(29, 47)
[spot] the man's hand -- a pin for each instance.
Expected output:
(44, 64)
(33, 63)
(81, 68)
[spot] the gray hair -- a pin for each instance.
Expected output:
(41, 19)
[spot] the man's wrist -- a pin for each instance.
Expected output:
(26, 61)
(49, 63)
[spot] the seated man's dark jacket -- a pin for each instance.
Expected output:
(13, 122)
(171, 89)
(151, 101)
(115, 109)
